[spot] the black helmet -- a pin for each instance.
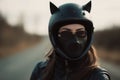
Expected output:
(67, 14)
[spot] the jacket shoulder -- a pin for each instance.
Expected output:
(37, 70)
(100, 73)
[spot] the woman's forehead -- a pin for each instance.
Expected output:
(73, 26)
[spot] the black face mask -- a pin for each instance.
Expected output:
(72, 44)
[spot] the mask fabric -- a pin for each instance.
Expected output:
(72, 44)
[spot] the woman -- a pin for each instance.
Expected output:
(73, 56)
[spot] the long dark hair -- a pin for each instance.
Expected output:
(88, 63)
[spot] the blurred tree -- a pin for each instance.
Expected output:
(14, 38)
(108, 38)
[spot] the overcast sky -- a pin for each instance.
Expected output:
(35, 13)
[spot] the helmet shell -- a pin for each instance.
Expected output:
(68, 14)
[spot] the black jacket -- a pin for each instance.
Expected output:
(97, 74)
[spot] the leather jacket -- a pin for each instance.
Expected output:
(97, 74)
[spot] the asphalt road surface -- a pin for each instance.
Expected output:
(20, 66)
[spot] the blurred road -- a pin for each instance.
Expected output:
(20, 66)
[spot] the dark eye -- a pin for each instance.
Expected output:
(65, 35)
(81, 34)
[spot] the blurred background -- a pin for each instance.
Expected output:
(24, 35)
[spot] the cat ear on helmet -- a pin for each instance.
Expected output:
(53, 8)
(87, 7)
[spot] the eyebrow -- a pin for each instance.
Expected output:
(80, 29)
(66, 29)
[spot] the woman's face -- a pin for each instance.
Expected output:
(72, 39)
(72, 28)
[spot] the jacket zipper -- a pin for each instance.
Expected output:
(67, 70)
